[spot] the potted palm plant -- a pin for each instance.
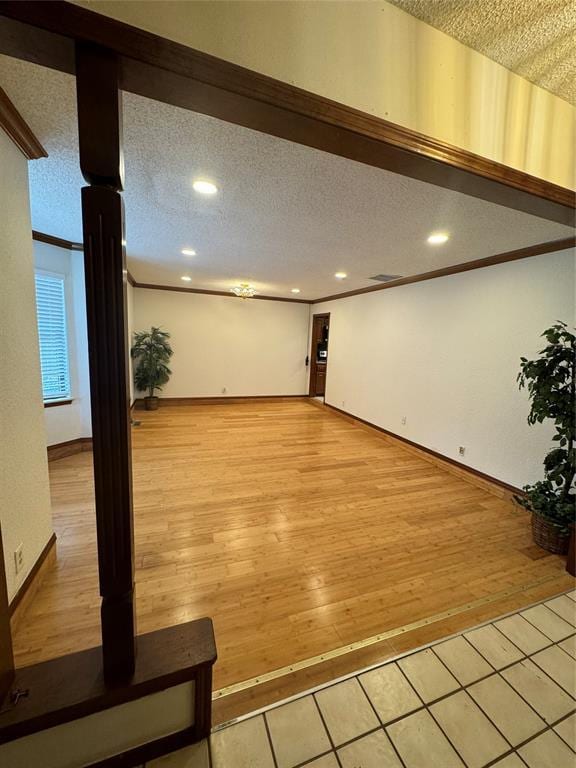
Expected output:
(551, 384)
(152, 352)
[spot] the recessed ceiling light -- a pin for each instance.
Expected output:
(186, 278)
(437, 238)
(188, 251)
(340, 275)
(295, 290)
(205, 187)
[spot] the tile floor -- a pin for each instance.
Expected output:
(500, 695)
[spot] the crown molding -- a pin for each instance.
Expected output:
(18, 129)
(59, 242)
(207, 292)
(500, 258)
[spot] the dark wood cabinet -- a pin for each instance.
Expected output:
(319, 355)
(320, 385)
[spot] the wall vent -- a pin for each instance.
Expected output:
(385, 278)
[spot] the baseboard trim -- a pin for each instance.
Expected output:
(69, 448)
(222, 400)
(463, 470)
(32, 582)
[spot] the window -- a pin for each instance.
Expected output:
(51, 311)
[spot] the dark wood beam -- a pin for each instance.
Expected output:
(100, 141)
(18, 129)
(152, 66)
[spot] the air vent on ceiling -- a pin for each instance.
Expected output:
(385, 278)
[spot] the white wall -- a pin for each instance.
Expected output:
(25, 516)
(445, 353)
(251, 347)
(69, 422)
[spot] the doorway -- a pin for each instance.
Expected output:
(319, 355)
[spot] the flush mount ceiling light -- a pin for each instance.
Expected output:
(438, 238)
(295, 290)
(186, 278)
(244, 290)
(204, 187)
(340, 275)
(188, 252)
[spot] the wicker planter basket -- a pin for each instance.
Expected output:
(546, 536)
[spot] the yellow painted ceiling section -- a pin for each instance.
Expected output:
(536, 39)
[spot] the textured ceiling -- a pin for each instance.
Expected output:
(534, 38)
(286, 215)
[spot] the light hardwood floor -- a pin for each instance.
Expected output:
(294, 529)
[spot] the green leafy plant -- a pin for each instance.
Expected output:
(152, 352)
(551, 384)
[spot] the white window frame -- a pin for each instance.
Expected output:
(61, 397)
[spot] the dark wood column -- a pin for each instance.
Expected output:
(6, 654)
(101, 162)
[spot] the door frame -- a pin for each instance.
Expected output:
(312, 351)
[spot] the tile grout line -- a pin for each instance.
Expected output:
(463, 689)
(382, 725)
(509, 666)
(504, 757)
(547, 726)
(271, 743)
(538, 628)
(556, 612)
(330, 739)
(570, 714)
(317, 757)
(519, 661)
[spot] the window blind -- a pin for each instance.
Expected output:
(51, 311)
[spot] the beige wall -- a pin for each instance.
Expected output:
(445, 353)
(25, 515)
(228, 347)
(381, 60)
(100, 736)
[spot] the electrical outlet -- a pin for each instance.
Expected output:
(343, 403)
(403, 419)
(461, 450)
(224, 390)
(19, 558)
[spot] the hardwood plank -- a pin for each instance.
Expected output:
(296, 531)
